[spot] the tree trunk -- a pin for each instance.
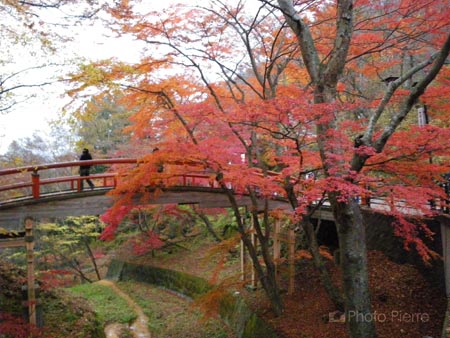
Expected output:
(92, 258)
(208, 224)
(267, 277)
(353, 258)
(268, 280)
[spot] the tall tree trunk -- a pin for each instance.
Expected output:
(353, 258)
(266, 276)
(324, 78)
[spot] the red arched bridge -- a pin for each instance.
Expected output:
(53, 191)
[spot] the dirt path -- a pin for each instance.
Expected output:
(139, 327)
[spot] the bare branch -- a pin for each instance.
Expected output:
(417, 91)
(393, 86)
(304, 37)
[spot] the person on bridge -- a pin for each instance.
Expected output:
(85, 169)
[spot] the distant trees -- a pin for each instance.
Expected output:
(150, 228)
(99, 125)
(32, 151)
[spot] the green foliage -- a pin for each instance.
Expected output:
(226, 223)
(165, 319)
(186, 284)
(107, 304)
(68, 316)
(71, 233)
(68, 243)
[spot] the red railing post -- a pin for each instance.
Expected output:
(79, 184)
(35, 181)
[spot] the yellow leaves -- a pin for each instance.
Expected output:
(90, 75)
(100, 75)
(18, 161)
(10, 233)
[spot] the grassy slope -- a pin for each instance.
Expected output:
(109, 307)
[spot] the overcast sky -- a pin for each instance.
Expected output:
(34, 114)
(90, 43)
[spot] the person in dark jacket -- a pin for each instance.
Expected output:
(85, 169)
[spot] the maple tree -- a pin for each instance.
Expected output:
(154, 227)
(326, 103)
(186, 135)
(406, 24)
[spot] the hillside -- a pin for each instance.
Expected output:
(405, 303)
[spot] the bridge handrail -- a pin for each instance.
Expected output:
(35, 168)
(63, 179)
(37, 182)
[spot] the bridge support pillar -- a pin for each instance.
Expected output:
(280, 236)
(243, 261)
(253, 275)
(29, 242)
(245, 264)
(445, 234)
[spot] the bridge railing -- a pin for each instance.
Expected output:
(12, 188)
(15, 184)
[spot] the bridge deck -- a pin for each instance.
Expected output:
(96, 202)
